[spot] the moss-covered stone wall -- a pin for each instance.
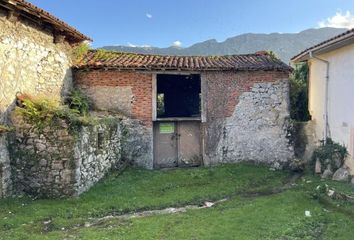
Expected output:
(57, 162)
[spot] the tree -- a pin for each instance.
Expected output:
(299, 93)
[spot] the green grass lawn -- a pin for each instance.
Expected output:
(245, 215)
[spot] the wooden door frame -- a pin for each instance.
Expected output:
(177, 130)
(203, 113)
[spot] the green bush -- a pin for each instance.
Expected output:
(330, 153)
(299, 93)
(297, 137)
(39, 111)
(42, 113)
(78, 102)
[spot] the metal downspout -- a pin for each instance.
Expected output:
(326, 132)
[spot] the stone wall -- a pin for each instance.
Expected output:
(129, 94)
(138, 143)
(247, 118)
(30, 62)
(57, 162)
(98, 150)
(5, 170)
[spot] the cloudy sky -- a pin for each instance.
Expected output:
(181, 23)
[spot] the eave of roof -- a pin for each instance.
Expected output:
(29, 10)
(331, 44)
(148, 62)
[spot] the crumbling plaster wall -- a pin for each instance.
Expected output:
(247, 118)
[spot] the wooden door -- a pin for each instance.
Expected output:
(165, 145)
(177, 144)
(189, 144)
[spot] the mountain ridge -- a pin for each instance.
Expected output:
(284, 45)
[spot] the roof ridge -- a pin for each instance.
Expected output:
(123, 60)
(47, 16)
(258, 53)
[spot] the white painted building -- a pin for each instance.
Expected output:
(331, 88)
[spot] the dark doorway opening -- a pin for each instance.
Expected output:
(178, 96)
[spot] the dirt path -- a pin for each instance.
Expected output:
(149, 213)
(207, 204)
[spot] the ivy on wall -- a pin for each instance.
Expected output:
(299, 93)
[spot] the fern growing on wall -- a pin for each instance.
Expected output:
(78, 101)
(42, 112)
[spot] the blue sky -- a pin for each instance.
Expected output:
(163, 23)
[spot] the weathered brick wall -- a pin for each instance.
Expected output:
(30, 62)
(246, 113)
(128, 93)
(246, 117)
(225, 88)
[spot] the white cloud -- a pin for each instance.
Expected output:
(134, 45)
(177, 43)
(340, 20)
(131, 45)
(148, 15)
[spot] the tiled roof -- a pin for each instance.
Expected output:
(119, 60)
(341, 38)
(32, 11)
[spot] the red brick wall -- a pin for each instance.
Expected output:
(224, 88)
(141, 84)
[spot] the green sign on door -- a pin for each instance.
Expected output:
(167, 128)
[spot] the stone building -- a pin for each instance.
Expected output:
(191, 111)
(164, 111)
(35, 58)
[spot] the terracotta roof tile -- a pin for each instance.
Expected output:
(119, 60)
(31, 10)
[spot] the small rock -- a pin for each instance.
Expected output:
(327, 174)
(341, 175)
(43, 162)
(47, 222)
(330, 193)
(307, 213)
(208, 204)
(40, 147)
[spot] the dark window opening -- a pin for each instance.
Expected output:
(178, 95)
